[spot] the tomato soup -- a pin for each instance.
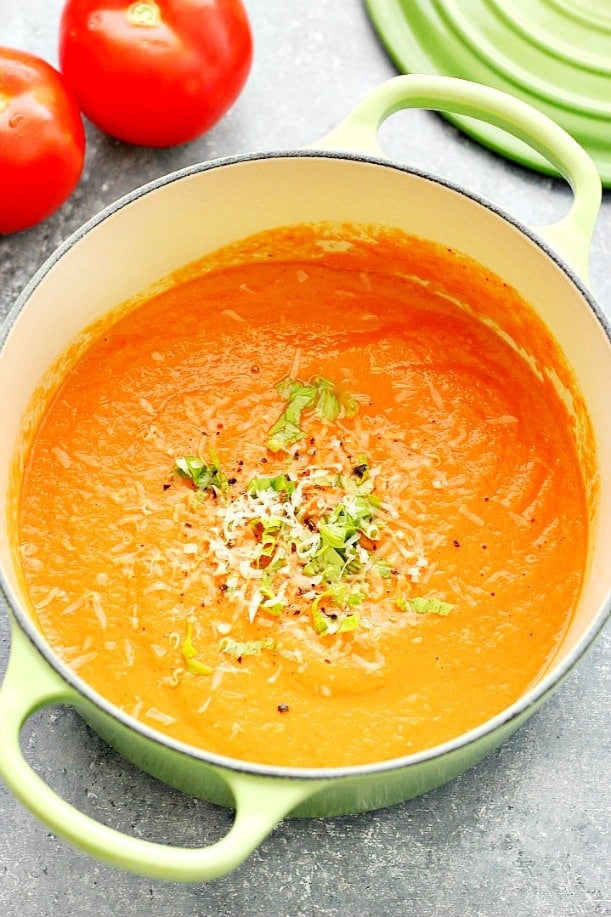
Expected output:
(307, 503)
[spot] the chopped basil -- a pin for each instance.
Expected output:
(204, 477)
(195, 667)
(239, 648)
(422, 605)
(384, 569)
(287, 429)
(271, 602)
(333, 624)
(188, 650)
(329, 563)
(189, 653)
(327, 407)
(280, 484)
(340, 551)
(341, 596)
(333, 403)
(321, 395)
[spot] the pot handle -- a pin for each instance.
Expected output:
(572, 235)
(260, 802)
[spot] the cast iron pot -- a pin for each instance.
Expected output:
(175, 220)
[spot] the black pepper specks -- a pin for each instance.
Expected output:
(283, 708)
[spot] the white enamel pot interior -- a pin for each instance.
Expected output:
(179, 218)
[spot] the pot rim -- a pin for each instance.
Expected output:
(514, 712)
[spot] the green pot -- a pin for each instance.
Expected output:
(197, 210)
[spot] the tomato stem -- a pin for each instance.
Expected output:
(144, 13)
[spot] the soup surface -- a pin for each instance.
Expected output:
(305, 505)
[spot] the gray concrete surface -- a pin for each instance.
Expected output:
(524, 833)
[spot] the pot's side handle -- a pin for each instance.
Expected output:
(260, 802)
(571, 236)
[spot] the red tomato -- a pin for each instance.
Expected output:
(42, 140)
(155, 72)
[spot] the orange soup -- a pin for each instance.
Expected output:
(306, 504)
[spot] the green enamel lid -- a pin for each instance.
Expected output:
(554, 54)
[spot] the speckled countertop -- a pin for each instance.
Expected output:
(526, 832)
